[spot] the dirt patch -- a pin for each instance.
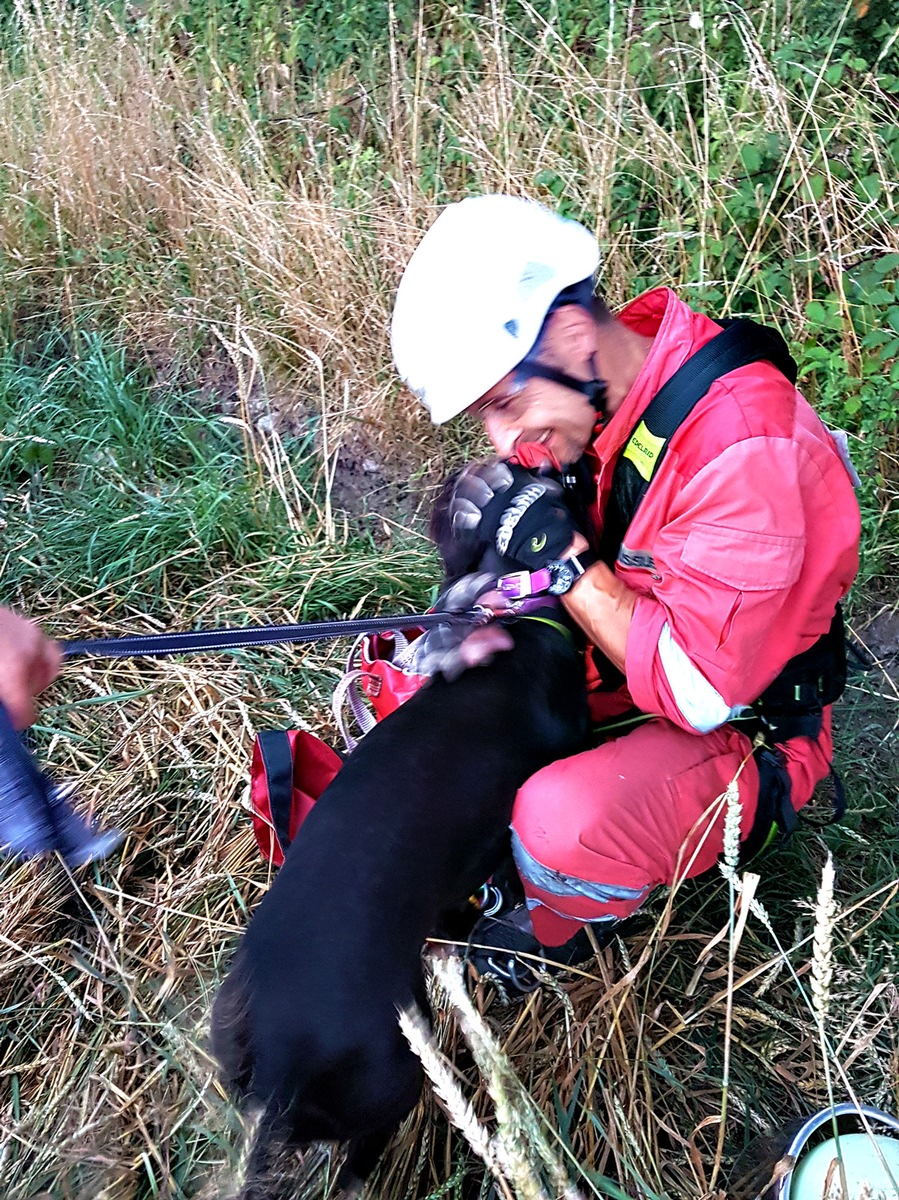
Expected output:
(378, 483)
(877, 638)
(380, 490)
(866, 719)
(881, 638)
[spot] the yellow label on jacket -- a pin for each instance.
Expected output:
(643, 450)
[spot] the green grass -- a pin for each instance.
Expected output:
(130, 506)
(110, 986)
(204, 214)
(135, 496)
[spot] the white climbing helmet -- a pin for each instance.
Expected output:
(475, 294)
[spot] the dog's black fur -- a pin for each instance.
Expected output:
(417, 819)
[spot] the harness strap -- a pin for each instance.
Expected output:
(839, 797)
(277, 759)
(740, 343)
(774, 815)
(347, 693)
(553, 624)
(793, 705)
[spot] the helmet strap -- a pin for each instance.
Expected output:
(594, 389)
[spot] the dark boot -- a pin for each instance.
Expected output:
(503, 949)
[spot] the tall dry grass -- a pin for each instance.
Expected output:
(145, 191)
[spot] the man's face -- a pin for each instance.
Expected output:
(539, 411)
(516, 411)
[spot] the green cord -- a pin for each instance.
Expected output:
(554, 624)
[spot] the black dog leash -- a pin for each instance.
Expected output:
(157, 645)
(36, 815)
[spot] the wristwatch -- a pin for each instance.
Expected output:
(565, 572)
(556, 578)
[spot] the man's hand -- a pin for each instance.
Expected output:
(522, 514)
(29, 661)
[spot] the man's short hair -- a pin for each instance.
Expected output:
(582, 294)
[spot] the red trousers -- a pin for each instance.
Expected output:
(594, 834)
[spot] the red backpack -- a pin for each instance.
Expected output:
(291, 768)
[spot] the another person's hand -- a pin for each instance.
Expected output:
(449, 650)
(524, 515)
(29, 661)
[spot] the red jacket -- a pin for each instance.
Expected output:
(746, 539)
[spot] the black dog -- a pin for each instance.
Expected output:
(417, 819)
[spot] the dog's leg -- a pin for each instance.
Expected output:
(260, 1182)
(388, 1087)
(269, 1174)
(230, 1031)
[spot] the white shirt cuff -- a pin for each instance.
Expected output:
(701, 706)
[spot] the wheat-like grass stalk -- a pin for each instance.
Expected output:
(457, 1108)
(733, 815)
(822, 945)
(825, 913)
(519, 1122)
(729, 863)
(519, 1128)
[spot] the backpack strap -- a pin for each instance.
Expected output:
(741, 342)
(793, 705)
(277, 761)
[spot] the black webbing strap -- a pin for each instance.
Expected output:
(793, 704)
(740, 343)
(775, 818)
(774, 809)
(593, 389)
(277, 761)
(158, 645)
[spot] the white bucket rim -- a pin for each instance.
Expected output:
(865, 1111)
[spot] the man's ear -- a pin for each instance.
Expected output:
(571, 334)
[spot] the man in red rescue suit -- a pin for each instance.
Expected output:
(732, 565)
